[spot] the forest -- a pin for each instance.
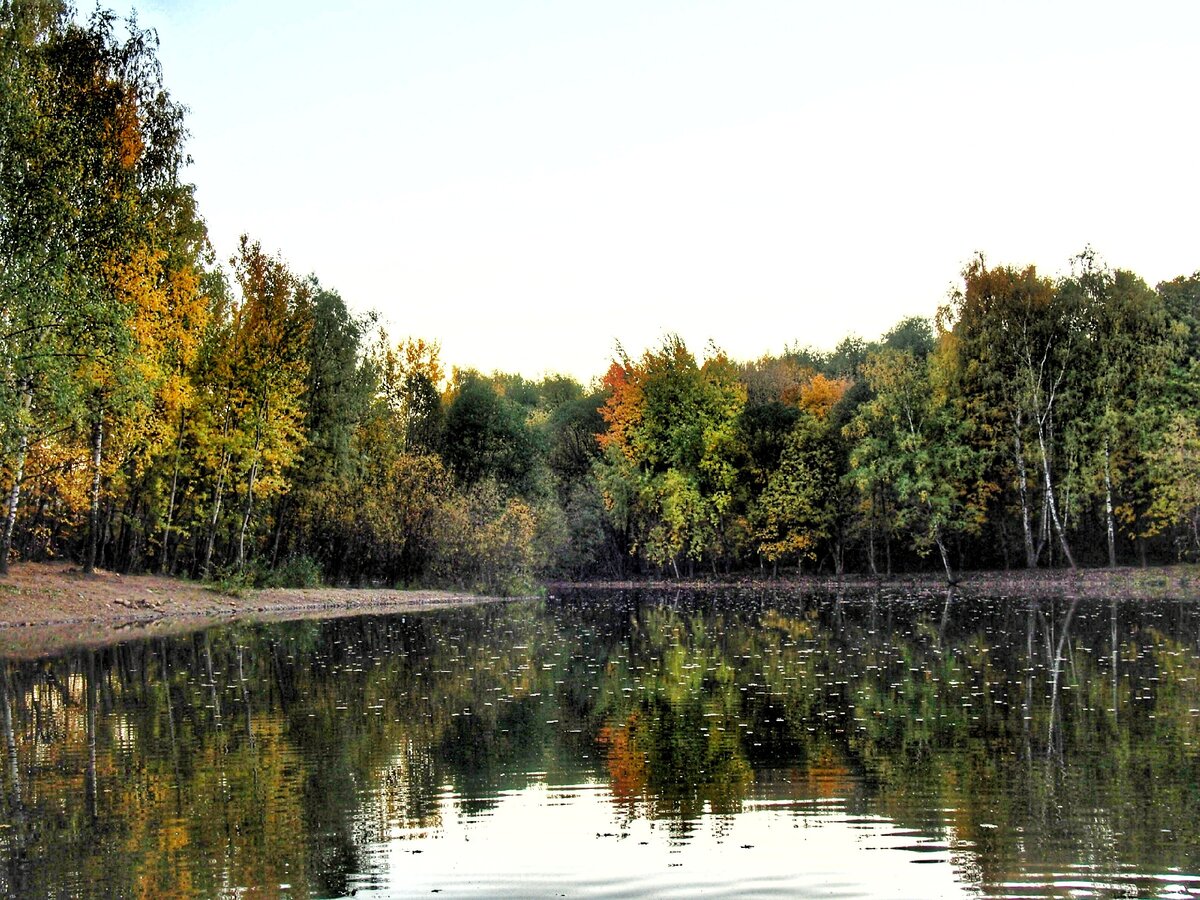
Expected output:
(162, 410)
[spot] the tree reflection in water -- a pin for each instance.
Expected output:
(1026, 738)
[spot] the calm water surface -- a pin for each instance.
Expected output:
(724, 743)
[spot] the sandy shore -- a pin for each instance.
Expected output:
(50, 606)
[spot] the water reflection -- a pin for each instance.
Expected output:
(624, 743)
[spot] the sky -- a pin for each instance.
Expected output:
(530, 183)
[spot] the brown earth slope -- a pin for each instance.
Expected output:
(46, 606)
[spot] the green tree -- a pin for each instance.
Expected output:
(1116, 388)
(672, 448)
(910, 434)
(339, 385)
(1173, 464)
(486, 436)
(796, 510)
(1012, 341)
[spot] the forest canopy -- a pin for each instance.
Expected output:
(162, 411)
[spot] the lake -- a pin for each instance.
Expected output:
(601, 743)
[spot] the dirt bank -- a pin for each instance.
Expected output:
(49, 606)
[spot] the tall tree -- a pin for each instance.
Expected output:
(91, 155)
(672, 440)
(1013, 340)
(270, 367)
(1173, 472)
(37, 176)
(796, 510)
(910, 434)
(338, 388)
(1125, 354)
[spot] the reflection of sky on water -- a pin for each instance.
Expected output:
(543, 841)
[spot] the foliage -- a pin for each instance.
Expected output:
(673, 445)
(158, 410)
(294, 572)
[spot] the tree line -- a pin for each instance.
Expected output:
(161, 412)
(1033, 422)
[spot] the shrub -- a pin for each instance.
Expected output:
(296, 572)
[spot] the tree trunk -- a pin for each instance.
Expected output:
(1043, 529)
(166, 535)
(14, 498)
(33, 547)
(1050, 504)
(1108, 508)
(249, 510)
(1031, 556)
(94, 512)
(216, 514)
(14, 494)
(280, 516)
(246, 513)
(871, 547)
(941, 545)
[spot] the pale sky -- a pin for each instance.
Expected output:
(530, 182)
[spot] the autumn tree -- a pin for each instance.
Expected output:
(410, 381)
(271, 329)
(794, 513)
(671, 447)
(91, 199)
(249, 423)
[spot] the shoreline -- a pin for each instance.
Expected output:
(47, 607)
(1174, 582)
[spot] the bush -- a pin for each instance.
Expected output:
(228, 580)
(296, 572)
(485, 541)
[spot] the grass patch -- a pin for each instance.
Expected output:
(297, 572)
